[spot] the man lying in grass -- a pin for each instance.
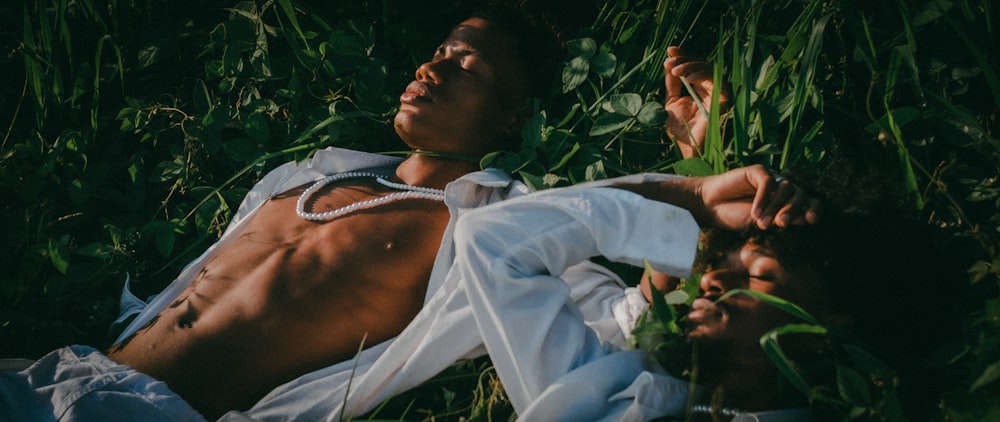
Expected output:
(781, 310)
(333, 287)
(554, 368)
(323, 259)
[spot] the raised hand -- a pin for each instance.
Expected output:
(736, 199)
(753, 195)
(687, 122)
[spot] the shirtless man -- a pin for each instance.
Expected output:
(283, 294)
(311, 292)
(292, 295)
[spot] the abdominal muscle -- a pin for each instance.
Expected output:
(290, 296)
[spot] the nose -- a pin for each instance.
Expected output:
(428, 73)
(718, 282)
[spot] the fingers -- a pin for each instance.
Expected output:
(787, 203)
(678, 65)
(781, 203)
(675, 88)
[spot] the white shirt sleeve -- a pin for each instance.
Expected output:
(507, 254)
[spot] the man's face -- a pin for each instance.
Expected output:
(737, 323)
(467, 96)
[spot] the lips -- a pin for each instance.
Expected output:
(416, 92)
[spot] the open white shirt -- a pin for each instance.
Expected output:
(553, 367)
(445, 330)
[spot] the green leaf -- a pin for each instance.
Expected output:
(693, 167)
(371, 82)
(163, 236)
(207, 217)
(95, 250)
(566, 157)
(241, 150)
(608, 123)
(989, 375)
(852, 386)
(652, 114)
(991, 312)
(533, 181)
(677, 297)
(930, 12)
(604, 65)
(581, 47)
(289, 10)
(661, 310)
(256, 127)
(772, 347)
(595, 171)
(551, 180)
(115, 233)
(58, 252)
(627, 104)
(531, 133)
(166, 170)
(148, 56)
(784, 305)
(575, 73)
(507, 161)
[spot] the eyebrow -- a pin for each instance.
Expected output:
(459, 44)
(465, 48)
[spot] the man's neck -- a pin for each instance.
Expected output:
(433, 171)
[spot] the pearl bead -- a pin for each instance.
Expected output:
(408, 192)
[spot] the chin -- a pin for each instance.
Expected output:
(402, 124)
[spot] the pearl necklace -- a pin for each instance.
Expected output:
(721, 411)
(411, 192)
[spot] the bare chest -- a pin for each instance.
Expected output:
(324, 287)
(391, 243)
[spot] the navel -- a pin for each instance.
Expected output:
(188, 318)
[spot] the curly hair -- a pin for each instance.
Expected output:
(897, 277)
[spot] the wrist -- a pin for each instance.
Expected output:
(683, 192)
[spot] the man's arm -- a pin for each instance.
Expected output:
(732, 200)
(510, 256)
(736, 199)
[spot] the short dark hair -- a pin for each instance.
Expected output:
(537, 49)
(899, 278)
(893, 275)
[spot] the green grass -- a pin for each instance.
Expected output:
(131, 129)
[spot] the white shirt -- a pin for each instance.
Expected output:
(553, 367)
(443, 332)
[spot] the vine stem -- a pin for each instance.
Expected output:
(17, 110)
